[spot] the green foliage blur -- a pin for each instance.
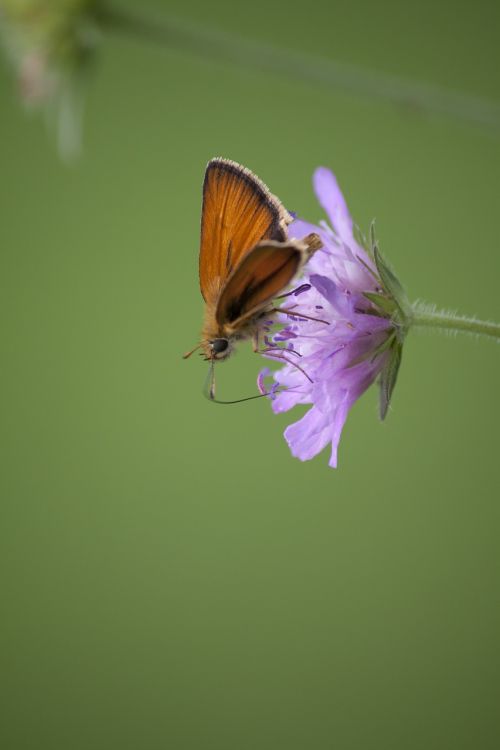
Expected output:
(171, 576)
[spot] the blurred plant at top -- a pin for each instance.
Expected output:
(50, 44)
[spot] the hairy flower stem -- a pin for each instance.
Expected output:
(212, 43)
(446, 321)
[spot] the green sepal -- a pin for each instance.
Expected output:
(388, 378)
(385, 304)
(392, 284)
(374, 353)
(360, 238)
(373, 239)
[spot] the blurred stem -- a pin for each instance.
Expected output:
(206, 42)
(446, 321)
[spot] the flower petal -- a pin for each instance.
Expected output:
(337, 427)
(297, 389)
(307, 437)
(333, 203)
(263, 374)
(299, 229)
(329, 290)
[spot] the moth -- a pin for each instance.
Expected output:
(246, 258)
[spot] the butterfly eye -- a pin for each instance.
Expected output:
(219, 345)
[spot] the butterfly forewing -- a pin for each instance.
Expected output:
(238, 212)
(263, 273)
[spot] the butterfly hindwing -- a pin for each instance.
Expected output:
(262, 275)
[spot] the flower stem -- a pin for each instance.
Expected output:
(446, 321)
(205, 42)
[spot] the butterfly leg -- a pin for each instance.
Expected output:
(188, 354)
(255, 342)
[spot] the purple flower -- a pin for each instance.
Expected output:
(356, 337)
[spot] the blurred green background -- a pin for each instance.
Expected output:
(171, 576)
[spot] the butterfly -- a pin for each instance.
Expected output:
(246, 258)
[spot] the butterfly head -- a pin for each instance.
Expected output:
(217, 348)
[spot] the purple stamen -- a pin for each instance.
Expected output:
(336, 351)
(301, 289)
(260, 380)
(285, 335)
(267, 341)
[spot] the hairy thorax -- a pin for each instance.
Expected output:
(213, 334)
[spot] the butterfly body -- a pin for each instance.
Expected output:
(246, 258)
(214, 334)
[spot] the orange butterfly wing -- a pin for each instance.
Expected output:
(262, 274)
(238, 212)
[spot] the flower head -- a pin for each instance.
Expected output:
(49, 43)
(358, 312)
